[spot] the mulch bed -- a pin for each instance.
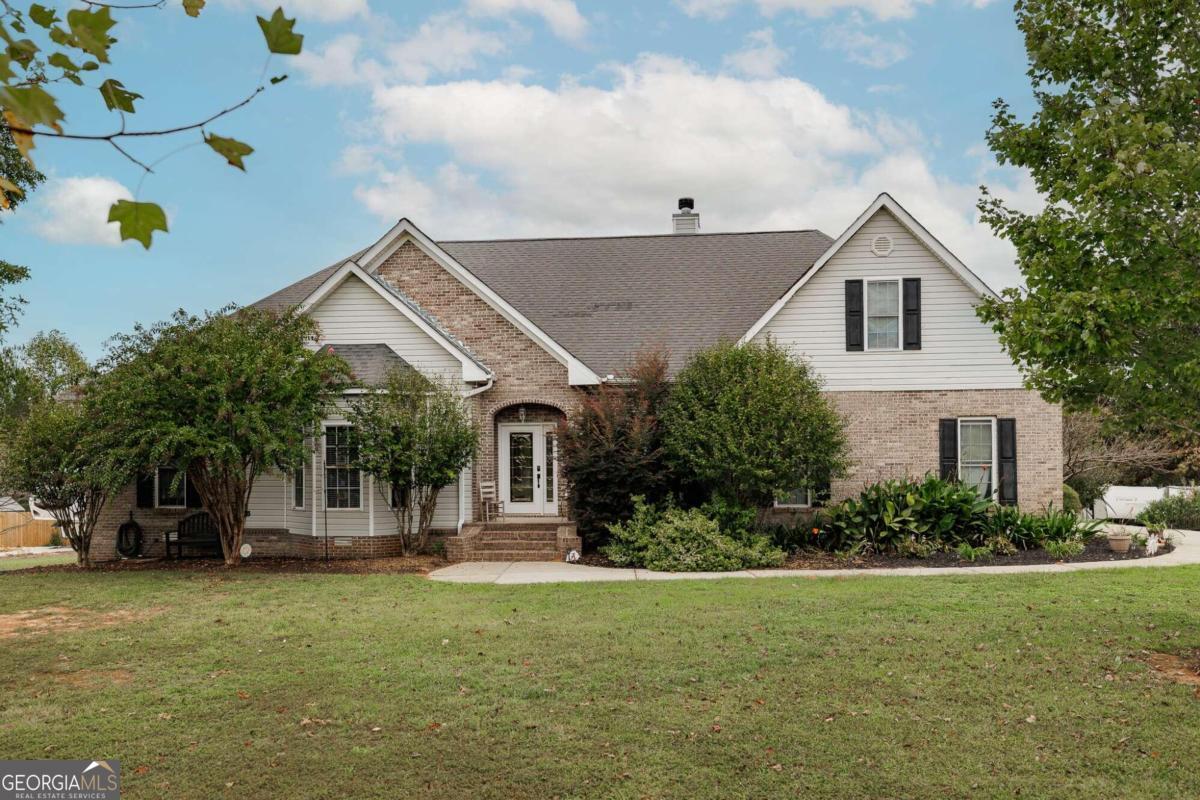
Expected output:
(1095, 550)
(400, 565)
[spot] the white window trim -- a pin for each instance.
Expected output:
(995, 474)
(298, 484)
(797, 505)
(899, 314)
(183, 486)
(325, 426)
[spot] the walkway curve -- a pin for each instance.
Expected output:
(1187, 551)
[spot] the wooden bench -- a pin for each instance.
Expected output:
(197, 533)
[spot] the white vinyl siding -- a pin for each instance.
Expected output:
(354, 313)
(958, 351)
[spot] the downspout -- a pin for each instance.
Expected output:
(462, 488)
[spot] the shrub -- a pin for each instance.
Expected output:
(611, 448)
(1059, 526)
(749, 422)
(968, 552)
(1180, 511)
(886, 514)
(1064, 549)
(675, 540)
(1071, 501)
(1017, 528)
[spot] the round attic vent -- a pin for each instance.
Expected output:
(881, 245)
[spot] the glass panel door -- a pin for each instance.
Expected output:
(520, 467)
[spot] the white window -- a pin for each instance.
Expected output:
(167, 492)
(977, 454)
(343, 483)
(298, 488)
(796, 498)
(882, 319)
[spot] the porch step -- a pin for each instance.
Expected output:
(503, 545)
(505, 526)
(513, 555)
(519, 536)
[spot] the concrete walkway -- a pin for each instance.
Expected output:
(1187, 551)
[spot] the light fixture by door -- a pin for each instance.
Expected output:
(521, 413)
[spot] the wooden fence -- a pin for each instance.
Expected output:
(20, 529)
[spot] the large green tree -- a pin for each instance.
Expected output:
(225, 396)
(415, 435)
(749, 422)
(1109, 316)
(38, 370)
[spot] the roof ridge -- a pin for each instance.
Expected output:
(630, 236)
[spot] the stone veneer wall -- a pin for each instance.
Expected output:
(895, 434)
(525, 373)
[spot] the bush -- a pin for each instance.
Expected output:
(749, 422)
(1064, 549)
(1181, 511)
(611, 448)
(900, 515)
(1071, 501)
(675, 540)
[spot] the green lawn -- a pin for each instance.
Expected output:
(25, 562)
(265, 686)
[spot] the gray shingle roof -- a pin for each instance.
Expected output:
(604, 298)
(370, 363)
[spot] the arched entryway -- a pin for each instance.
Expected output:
(528, 476)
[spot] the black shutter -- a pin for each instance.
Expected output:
(1006, 434)
(193, 497)
(854, 315)
(948, 449)
(912, 313)
(145, 491)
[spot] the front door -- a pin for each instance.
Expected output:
(528, 473)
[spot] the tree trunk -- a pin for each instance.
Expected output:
(225, 494)
(427, 503)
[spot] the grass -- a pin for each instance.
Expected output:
(380, 686)
(24, 562)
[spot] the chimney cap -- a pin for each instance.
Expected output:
(686, 204)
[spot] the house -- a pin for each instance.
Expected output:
(884, 312)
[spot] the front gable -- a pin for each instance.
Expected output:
(957, 350)
(354, 308)
(407, 236)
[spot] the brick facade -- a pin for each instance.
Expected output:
(525, 373)
(895, 434)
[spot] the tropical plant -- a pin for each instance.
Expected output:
(749, 422)
(1063, 549)
(415, 435)
(612, 447)
(225, 396)
(55, 456)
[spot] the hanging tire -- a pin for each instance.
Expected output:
(129, 540)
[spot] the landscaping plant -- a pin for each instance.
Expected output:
(55, 456)
(415, 436)
(226, 396)
(749, 422)
(612, 447)
(1179, 511)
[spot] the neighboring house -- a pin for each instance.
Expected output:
(885, 314)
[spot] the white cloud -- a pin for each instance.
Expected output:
(562, 16)
(864, 48)
(881, 9)
(316, 10)
(75, 210)
(444, 44)
(528, 160)
(760, 58)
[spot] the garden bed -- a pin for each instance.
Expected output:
(419, 565)
(1095, 550)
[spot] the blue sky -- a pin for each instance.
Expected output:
(494, 118)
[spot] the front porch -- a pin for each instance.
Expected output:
(529, 539)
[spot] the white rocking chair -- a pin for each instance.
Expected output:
(489, 501)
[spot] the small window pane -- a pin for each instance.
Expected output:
(883, 297)
(169, 493)
(298, 488)
(883, 333)
(343, 484)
